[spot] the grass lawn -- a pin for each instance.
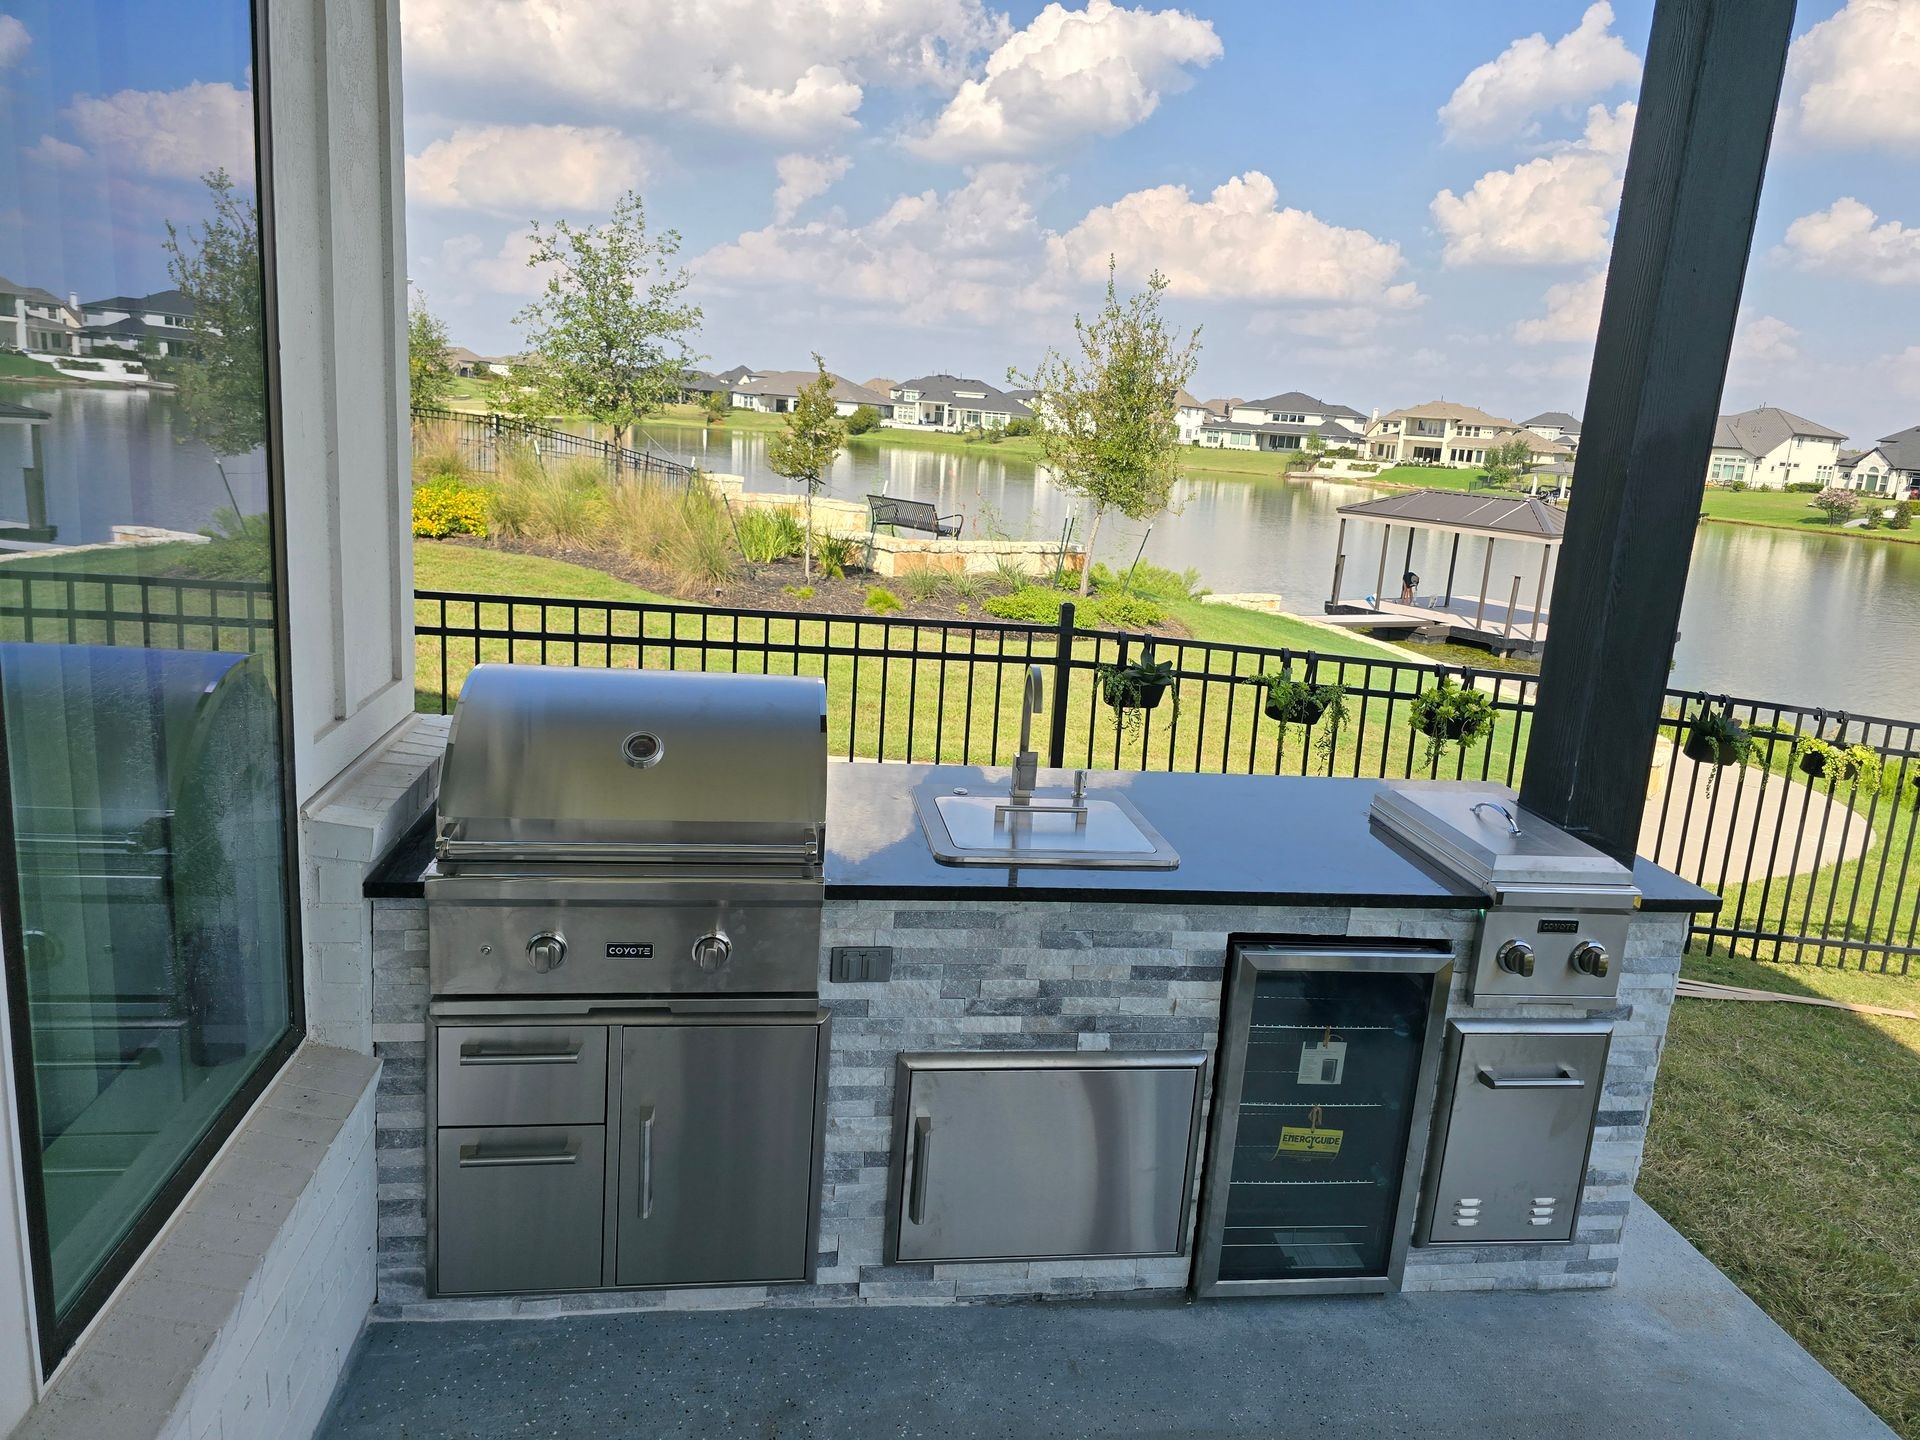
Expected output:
(1423, 477)
(1778, 510)
(1785, 1144)
(20, 367)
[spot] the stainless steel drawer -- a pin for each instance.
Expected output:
(1042, 1154)
(521, 1075)
(519, 1208)
(1515, 1124)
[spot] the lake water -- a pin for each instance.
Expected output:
(1811, 619)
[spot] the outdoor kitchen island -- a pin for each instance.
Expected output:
(1132, 972)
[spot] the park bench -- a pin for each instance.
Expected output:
(910, 515)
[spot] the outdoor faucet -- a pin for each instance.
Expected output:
(1026, 764)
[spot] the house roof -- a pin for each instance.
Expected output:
(30, 292)
(1763, 430)
(1559, 419)
(1301, 401)
(21, 414)
(1902, 448)
(1515, 517)
(166, 302)
(946, 389)
(1219, 405)
(1326, 429)
(880, 384)
(1183, 399)
(792, 382)
(736, 374)
(1448, 410)
(133, 327)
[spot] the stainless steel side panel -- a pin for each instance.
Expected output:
(1515, 1125)
(622, 939)
(519, 1208)
(522, 1074)
(716, 1178)
(1043, 1155)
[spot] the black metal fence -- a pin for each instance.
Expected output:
(482, 438)
(154, 613)
(1816, 870)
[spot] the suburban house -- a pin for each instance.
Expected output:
(1442, 432)
(1285, 421)
(1890, 469)
(774, 392)
(1189, 415)
(1555, 425)
(1769, 449)
(468, 366)
(952, 402)
(32, 319)
(156, 324)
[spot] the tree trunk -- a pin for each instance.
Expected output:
(1086, 562)
(619, 451)
(806, 552)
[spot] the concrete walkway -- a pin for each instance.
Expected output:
(1675, 1351)
(1755, 812)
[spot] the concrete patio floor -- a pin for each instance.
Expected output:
(1676, 1350)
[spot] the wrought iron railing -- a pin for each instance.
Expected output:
(77, 607)
(482, 438)
(1822, 871)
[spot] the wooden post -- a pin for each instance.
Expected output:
(1452, 560)
(1386, 538)
(1513, 599)
(1486, 579)
(1339, 561)
(1699, 153)
(1540, 591)
(1407, 567)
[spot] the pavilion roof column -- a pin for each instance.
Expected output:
(1707, 101)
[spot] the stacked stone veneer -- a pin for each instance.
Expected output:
(1000, 975)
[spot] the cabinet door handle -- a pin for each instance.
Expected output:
(474, 1157)
(922, 1157)
(646, 1162)
(1566, 1079)
(471, 1053)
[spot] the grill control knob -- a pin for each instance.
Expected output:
(710, 952)
(1590, 957)
(1516, 958)
(546, 950)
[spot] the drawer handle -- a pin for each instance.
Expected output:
(922, 1156)
(471, 1053)
(646, 1162)
(472, 1157)
(1567, 1079)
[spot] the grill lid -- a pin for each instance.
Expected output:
(1438, 819)
(557, 765)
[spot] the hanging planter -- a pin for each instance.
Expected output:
(1450, 714)
(1133, 688)
(1855, 766)
(1300, 702)
(1717, 740)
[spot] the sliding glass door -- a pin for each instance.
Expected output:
(145, 891)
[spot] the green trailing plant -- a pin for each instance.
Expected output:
(1301, 702)
(1855, 766)
(834, 553)
(882, 601)
(1133, 688)
(1450, 714)
(1716, 740)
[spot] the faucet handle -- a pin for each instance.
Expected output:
(1079, 785)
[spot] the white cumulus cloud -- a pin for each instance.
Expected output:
(972, 253)
(1851, 78)
(776, 72)
(1554, 209)
(1847, 238)
(522, 169)
(469, 264)
(803, 178)
(1499, 100)
(1570, 314)
(1905, 370)
(1239, 243)
(1764, 340)
(1096, 71)
(170, 134)
(14, 40)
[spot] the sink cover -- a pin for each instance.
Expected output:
(987, 829)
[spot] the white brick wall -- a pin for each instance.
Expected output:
(239, 1321)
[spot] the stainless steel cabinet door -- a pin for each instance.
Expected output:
(521, 1074)
(716, 1153)
(519, 1209)
(1518, 1124)
(1057, 1157)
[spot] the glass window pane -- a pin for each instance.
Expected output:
(137, 603)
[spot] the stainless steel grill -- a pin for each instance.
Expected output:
(630, 833)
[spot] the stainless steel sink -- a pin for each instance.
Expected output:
(1054, 829)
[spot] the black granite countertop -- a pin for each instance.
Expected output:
(1250, 839)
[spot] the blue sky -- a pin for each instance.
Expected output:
(1378, 202)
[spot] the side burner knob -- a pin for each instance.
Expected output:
(1590, 957)
(711, 952)
(1516, 958)
(546, 950)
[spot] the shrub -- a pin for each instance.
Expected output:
(863, 419)
(1836, 504)
(565, 505)
(684, 532)
(769, 535)
(834, 553)
(881, 600)
(966, 587)
(1011, 573)
(1902, 517)
(446, 507)
(799, 592)
(1155, 581)
(1126, 612)
(239, 547)
(1020, 426)
(1874, 517)
(924, 585)
(717, 406)
(1737, 486)
(1034, 604)
(437, 454)
(1804, 487)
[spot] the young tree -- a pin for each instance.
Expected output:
(429, 356)
(223, 377)
(608, 338)
(1836, 503)
(717, 405)
(803, 451)
(1509, 462)
(1110, 433)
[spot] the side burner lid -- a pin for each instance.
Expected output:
(1438, 819)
